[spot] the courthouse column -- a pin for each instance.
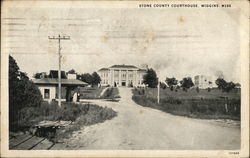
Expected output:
(113, 77)
(110, 77)
(135, 77)
(127, 78)
(120, 82)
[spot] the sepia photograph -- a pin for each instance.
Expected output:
(122, 79)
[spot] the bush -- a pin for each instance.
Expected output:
(138, 91)
(171, 88)
(163, 86)
(197, 89)
(208, 89)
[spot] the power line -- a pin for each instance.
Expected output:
(59, 38)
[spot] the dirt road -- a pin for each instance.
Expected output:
(137, 127)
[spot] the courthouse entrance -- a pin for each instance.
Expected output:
(123, 83)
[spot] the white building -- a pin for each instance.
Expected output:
(203, 81)
(49, 86)
(122, 75)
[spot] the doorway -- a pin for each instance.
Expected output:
(123, 83)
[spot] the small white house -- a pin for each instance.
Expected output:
(49, 87)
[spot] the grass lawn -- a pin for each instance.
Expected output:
(193, 94)
(95, 93)
(205, 105)
(91, 92)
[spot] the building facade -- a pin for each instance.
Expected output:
(203, 81)
(122, 75)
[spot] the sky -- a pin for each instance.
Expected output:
(176, 42)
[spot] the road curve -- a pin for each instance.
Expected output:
(142, 128)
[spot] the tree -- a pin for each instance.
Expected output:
(86, 78)
(22, 92)
(96, 79)
(40, 75)
(186, 83)
(224, 85)
(150, 78)
(37, 75)
(171, 82)
(221, 83)
(13, 88)
(30, 95)
(230, 86)
(72, 71)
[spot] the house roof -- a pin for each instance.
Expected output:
(103, 69)
(54, 81)
(123, 66)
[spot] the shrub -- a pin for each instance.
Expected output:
(163, 86)
(208, 89)
(171, 88)
(197, 89)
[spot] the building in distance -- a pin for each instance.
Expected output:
(203, 81)
(122, 76)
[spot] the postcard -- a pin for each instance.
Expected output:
(125, 78)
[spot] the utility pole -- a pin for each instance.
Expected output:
(158, 90)
(59, 38)
(158, 94)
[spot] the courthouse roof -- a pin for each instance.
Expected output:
(103, 69)
(123, 66)
(142, 69)
(54, 81)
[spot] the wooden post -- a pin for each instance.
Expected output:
(158, 94)
(59, 38)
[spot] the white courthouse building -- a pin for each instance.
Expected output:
(122, 75)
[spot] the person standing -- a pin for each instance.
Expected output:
(75, 97)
